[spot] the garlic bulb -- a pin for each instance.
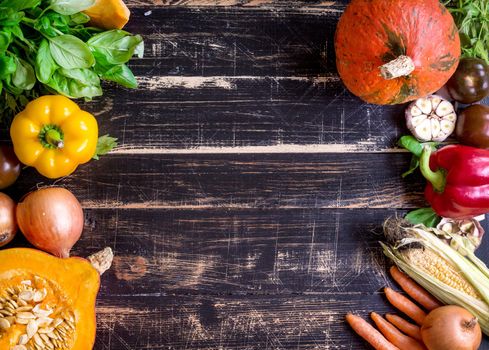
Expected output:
(431, 118)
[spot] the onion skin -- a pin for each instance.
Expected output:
(8, 223)
(51, 219)
(451, 328)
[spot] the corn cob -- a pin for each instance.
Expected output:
(448, 275)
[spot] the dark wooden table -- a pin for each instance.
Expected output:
(245, 201)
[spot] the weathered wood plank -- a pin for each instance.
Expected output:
(234, 322)
(318, 5)
(356, 180)
(235, 42)
(216, 252)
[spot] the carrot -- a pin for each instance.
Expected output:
(414, 290)
(405, 305)
(393, 335)
(369, 333)
(404, 326)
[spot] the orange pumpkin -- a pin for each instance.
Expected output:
(46, 300)
(395, 51)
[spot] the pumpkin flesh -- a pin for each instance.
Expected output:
(68, 289)
(375, 32)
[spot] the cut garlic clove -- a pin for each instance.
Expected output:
(423, 130)
(435, 102)
(415, 111)
(435, 128)
(418, 120)
(444, 109)
(424, 105)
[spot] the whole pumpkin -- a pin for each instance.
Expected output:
(395, 51)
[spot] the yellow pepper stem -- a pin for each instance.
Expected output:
(51, 136)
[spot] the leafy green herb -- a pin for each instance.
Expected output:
(425, 216)
(105, 144)
(47, 47)
(472, 19)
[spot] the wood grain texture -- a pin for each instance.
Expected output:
(355, 180)
(237, 279)
(318, 5)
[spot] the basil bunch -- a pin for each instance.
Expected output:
(46, 47)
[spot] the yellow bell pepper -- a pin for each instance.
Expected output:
(54, 135)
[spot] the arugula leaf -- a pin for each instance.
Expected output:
(116, 45)
(425, 216)
(19, 5)
(45, 65)
(471, 17)
(70, 52)
(105, 144)
(24, 77)
(70, 7)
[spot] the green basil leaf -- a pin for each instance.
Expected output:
(70, 7)
(82, 75)
(70, 52)
(7, 66)
(45, 65)
(19, 5)
(425, 216)
(9, 17)
(105, 144)
(73, 88)
(16, 31)
(5, 40)
(24, 77)
(116, 45)
(121, 75)
(79, 18)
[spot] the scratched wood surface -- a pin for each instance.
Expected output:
(245, 201)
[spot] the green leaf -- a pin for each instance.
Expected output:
(105, 144)
(70, 52)
(24, 77)
(5, 40)
(72, 87)
(7, 66)
(121, 75)
(45, 65)
(70, 7)
(79, 18)
(116, 45)
(425, 216)
(83, 75)
(19, 5)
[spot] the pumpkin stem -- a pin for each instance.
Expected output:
(400, 67)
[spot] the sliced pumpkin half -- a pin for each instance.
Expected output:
(46, 302)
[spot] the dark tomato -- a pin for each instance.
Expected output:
(473, 126)
(470, 82)
(9, 167)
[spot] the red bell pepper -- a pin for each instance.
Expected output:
(458, 180)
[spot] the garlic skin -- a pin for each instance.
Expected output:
(431, 118)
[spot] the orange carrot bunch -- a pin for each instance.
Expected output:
(396, 333)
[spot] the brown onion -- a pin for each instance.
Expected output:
(451, 327)
(51, 219)
(8, 224)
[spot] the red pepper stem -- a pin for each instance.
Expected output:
(437, 178)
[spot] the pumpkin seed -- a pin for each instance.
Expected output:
(26, 295)
(23, 308)
(23, 339)
(26, 314)
(32, 328)
(4, 324)
(24, 321)
(38, 340)
(18, 347)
